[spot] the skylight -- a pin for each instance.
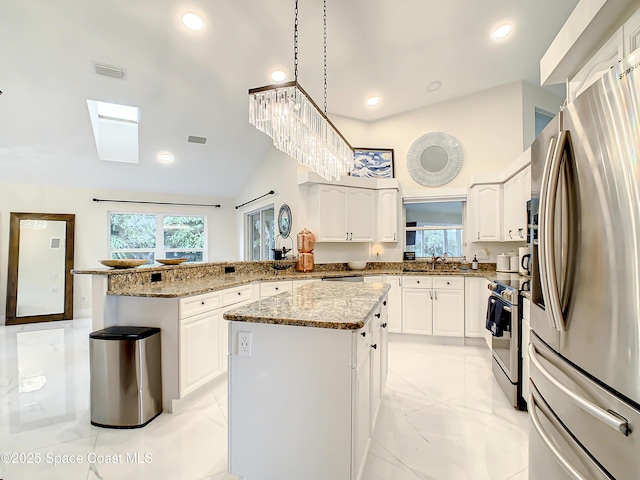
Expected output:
(113, 111)
(115, 129)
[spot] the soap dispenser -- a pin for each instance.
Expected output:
(474, 263)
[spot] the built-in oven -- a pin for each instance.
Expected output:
(504, 323)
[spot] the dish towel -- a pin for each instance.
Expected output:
(498, 319)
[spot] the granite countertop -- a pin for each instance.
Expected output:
(197, 286)
(342, 306)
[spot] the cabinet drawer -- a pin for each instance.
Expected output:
(199, 303)
(235, 295)
(526, 308)
(268, 289)
(417, 282)
(451, 282)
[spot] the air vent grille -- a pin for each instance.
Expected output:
(109, 70)
(193, 139)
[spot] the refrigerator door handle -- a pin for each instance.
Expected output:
(547, 246)
(609, 418)
(570, 469)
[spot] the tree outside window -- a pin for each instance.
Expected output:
(434, 228)
(148, 236)
(260, 234)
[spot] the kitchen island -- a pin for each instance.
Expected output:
(306, 373)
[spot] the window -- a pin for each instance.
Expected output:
(260, 234)
(135, 235)
(542, 120)
(434, 228)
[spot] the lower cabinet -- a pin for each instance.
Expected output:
(200, 350)
(318, 380)
(394, 305)
(433, 305)
(475, 302)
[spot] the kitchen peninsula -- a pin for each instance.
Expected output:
(188, 302)
(306, 373)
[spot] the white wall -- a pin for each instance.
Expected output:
(536, 97)
(490, 126)
(92, 231)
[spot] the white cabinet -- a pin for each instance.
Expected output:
(269, 289)
(476, 298)
(516, 193)
(448, 312)
(305, 371)
(417, 305)
(486, 213)
(342, 214)
(433, 305)
(200, 350)
(631, 32)
(600, 63)
(387, 216)
(394, 311)
(526, 337)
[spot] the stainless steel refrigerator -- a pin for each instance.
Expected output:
(585, 285)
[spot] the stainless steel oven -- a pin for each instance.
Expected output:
(503, 321)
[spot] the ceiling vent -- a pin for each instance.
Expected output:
(109, 70)
(193, 139)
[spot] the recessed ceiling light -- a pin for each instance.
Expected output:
(278, 76)
(372, 101)
(502, 31)
(165, 157)
(433, 86)
(192, 21)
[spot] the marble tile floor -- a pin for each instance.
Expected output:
(442, 417)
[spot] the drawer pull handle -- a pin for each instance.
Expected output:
(202, 302)
(384, 325)
(277, 288)
(239, 293)
(384, 303)
(374, 346)
(364, 334)
(377, 315)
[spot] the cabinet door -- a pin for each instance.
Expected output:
(376, 378)
(525, 192)
(361, 428)
(332, 209)
(384, 345)
(387, 221)
(200, 357)
(360, 214)
(474, 298)
(394, 304)
(488, 212)
(448, 312)
(417, 313)
(526, 337)
(511, 199)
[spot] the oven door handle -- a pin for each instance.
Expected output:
(505, 307)
(616, 422)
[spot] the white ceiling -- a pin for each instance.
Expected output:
(195, 83)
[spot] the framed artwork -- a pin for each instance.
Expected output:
(373, 162)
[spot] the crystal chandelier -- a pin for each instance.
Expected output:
(296, 124)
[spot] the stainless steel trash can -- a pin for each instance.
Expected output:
(126, 381)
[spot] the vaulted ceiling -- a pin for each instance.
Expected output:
(195, 82)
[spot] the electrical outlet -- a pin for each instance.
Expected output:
(244, 344)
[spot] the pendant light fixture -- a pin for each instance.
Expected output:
(296, 124)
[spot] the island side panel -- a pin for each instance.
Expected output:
(152, 312)
(290, 403)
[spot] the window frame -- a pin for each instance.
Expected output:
(462, 199)
(248, 229)
(160, 251)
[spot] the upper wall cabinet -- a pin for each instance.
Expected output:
(342, 214)
(516, 193)
(387, 216)
(485, 213)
